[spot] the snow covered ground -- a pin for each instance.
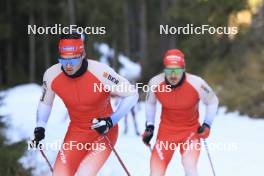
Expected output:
(243, 138)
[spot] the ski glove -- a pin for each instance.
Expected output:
(39, 134)
(102, 125)
(148, 134)
(204, 131)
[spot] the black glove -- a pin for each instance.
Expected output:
(204, 131)
(39, 134)
(102, 125)
(148, 134)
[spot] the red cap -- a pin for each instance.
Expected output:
(71, 46)
(174, 57)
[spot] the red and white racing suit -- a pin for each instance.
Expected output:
(179, 120)
(84, 101)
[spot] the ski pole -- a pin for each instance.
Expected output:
(46, 159)
(118, 157)
(35, 144)
(149, 147)
(209, 156)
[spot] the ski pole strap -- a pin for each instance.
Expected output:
(46, 159)
(118, 157)
(209, 156)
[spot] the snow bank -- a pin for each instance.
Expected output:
(244, 134)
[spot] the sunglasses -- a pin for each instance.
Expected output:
(72, 61)
(177, 71)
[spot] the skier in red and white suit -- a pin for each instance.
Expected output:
(74, 80)
(180, 116)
